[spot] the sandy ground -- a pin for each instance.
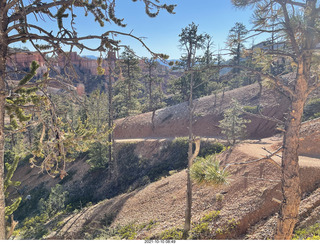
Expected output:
(248, 197)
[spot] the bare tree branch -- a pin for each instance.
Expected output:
(261, 116)
(276, 80)
(268, 157)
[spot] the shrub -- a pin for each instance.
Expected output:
(34, 228)
(210, 216)
(30, 206)
(128, 232)
(312, 109)
(200, 231)
(310, 233)
(151, 224)
(171, 234)
(174, 157)
(207, 171)
(232, 223)
(108, 219)
(98, 155)
(219, 197)
(128, 165)
(55, 202)
(227, 228)
(208, 148)
(251, 109)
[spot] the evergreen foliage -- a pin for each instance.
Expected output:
(59, 142)
(128, 88)
(190, 43)
(235, 43)
(34, 228)
(153, 94)
(96, 113)
(233, 126)
(180, 87)
(55, 202)
(56, 135)
(96, 106)
(251, 109)
(24, 98)
(209, 63)
(11, 168)
(294, 26)
(29, 206)
(207, 171)
(98, 155)
(66, 108)
(33, 71)
(312, 109)
(309, 233)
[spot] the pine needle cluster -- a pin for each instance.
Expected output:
(208, 171)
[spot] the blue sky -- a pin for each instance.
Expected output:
(215, 17)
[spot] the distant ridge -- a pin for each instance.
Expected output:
(90, 57)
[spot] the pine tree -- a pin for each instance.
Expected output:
(233, 126)
(15, 27)
(235, 43)
(190, 42)
(295, 25)
(97, 115)
(97, 109)
(153, 94)
(55, 202)
(128, 88)
(209, 64)
(110, 83)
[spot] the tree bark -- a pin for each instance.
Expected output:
(291, 192)
(111, 64)
(187, 224)
(3, 54)
(113, 172)
(129, 87)
(150, 89)
(221, 102)
(2, 197)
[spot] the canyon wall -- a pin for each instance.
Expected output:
(88, 66)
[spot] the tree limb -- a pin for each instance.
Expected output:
(268, 157)
(261, 116)
(275, 79)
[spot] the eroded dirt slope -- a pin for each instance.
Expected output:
(173, 121)
(251, 196)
